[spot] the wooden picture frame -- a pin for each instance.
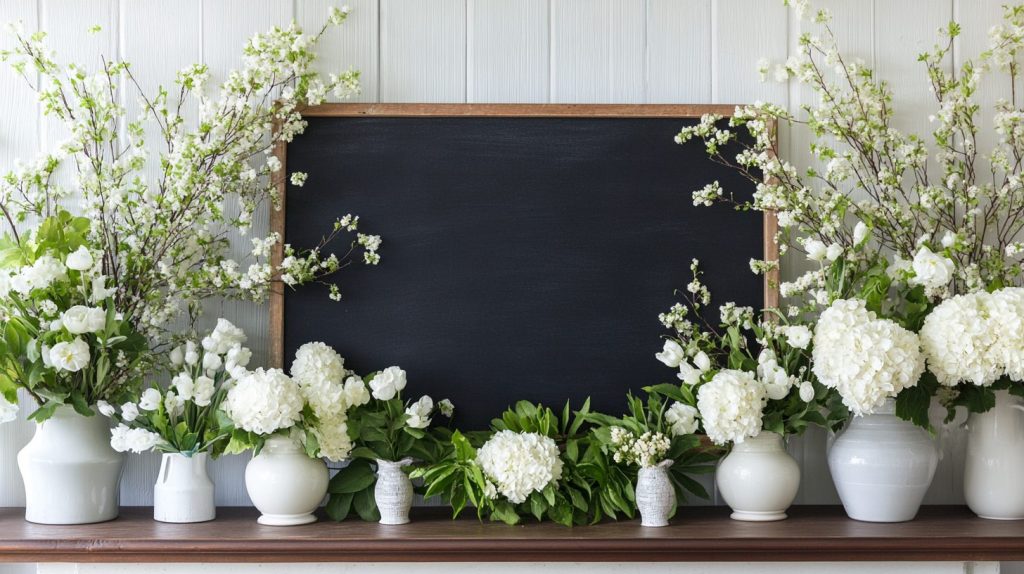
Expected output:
(681, 111)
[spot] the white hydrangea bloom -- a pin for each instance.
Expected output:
(520, 463)
(125, 439)
(960, 342)
(1008, 324)
(730, 405)
(264, 401)
(332, 435)
(318, 361)
(865, 358)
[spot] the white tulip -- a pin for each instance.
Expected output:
(388, 383)
(150, 400)
(702, 361)
(80, 260)
(672, 354)
(815, 250)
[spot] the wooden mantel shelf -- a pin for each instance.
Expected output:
(823, 533)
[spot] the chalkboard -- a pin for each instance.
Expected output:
(527, 249)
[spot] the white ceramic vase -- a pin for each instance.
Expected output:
(285, 485)
(758, 479)
(882, 466)
(71, 473)
(655, 496)
(994, 466)
(183, 490)
(393, 491)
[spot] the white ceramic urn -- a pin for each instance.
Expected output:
(285, 485)
(758, 479)
(393, 491)
(655, 496)
(183, 491)
(882, 466)
(71, 473)
(994, 467)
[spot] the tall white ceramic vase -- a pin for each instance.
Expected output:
(71, 473)
(183, 491)
(285, 485)
(758, 479)
(994, 467)
(393, 491)
(655, 496)
(882, 466)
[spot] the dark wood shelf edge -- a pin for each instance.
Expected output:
(813, 534)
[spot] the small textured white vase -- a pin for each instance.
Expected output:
(655, 497)
(994, 467)
(758, 479)
(393, 491)
(183, 490)
(285, 485)
(71, 473)
(882, 466)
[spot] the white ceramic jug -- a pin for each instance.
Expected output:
(758, 479)
(994, 467)
(183, 490)
(285, 485)
(655, 496)
(393, 491)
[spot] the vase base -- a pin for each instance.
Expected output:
(651, 524)
(192, 520)
(398, 522)
(758, 516)
(285, 519)
(68, 521)
(1004, 518)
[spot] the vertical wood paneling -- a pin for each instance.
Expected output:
(679, 42)
(352, 46)
(423, 51)
(739, 43)
(597, 51)
(508, 51)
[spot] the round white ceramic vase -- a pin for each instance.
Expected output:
(71, 473)
(183, 490)
(655, 496)
(285, 485)
(995, 460)
(882, 466)
(758, 479)
(393, 491)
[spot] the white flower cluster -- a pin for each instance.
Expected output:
(683, 419)
(264, 402)
(8, 410)
(730, 406)
(645, 450)
(976, 338)
(520, 464)
(126, 439)
(865, 358)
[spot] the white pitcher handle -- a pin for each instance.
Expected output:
(1018, 407)
(405, 461)
(665, 463)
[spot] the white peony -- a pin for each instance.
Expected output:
(80, 260)
(730, 405)
(150, 400)
(683, 419)
(224, 336)
(71, 357)
(264, 401)
(960, 341)
(672, 354)
(125, 439)
(867, 359)
(798, 336)
(418, 413)
(520, 463)
(388, 383)
(80, 319)
(318, 361)
(8, 410)
(931, 269)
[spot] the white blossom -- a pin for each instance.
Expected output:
(520, 464)
(730, 406)
(264, 401)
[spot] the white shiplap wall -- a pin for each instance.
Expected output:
(585, 51)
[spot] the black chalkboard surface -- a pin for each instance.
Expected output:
(527, 252)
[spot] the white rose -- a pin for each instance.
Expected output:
(683, 418)
(860, 233)
(203, 390)
(702, 361)
(71, 357)
(815, 250)
(80, 260)
(833, 252)
(418, 413)
(931, 269)
(150, 400)
(798, 336)
(81, 319)
(129, 412)
(105, 408)
(388, 383)
(672, 354)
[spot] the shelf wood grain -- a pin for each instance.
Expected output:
(812, 534)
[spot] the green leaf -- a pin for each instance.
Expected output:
(357, 476)
(339, 506)
(464, 452)
(79, 403)
(366, 506)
